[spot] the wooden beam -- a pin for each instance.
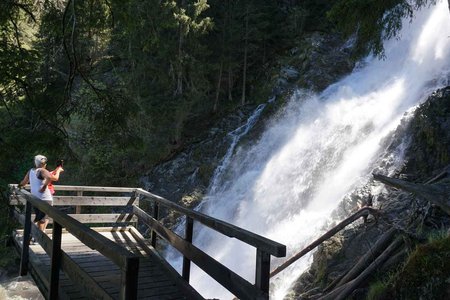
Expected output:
(262, 276)
(129, 280)
(26, 241)
(189, 231)
(227, 278)
(75, 188)
(260, 242)
(56, 262)
(436, 194)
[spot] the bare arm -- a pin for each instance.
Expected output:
(25, 180)
(48, 176)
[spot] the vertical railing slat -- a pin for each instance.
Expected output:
(78, 207)
(56, 261)
(189, 231)
(129, 279)
(262, 271)
(155, 216)
(26, 241)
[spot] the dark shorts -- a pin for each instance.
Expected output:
(40, 216)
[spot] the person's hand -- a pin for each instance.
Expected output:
(60, 169)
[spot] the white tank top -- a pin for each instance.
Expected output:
(36, 185)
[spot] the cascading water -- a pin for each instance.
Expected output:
(320, 149)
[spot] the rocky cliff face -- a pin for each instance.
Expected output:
(427, 137)
(318, 61)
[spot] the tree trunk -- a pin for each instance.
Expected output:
(436, 194)
(219, 82)
(179, 89)
(360, 213)
(244, 72)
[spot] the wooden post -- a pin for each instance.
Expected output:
(129, 279)
(189, 230)
(78, 207)
(56, 261)
(155, 216)
(26, 241)
(262, 271)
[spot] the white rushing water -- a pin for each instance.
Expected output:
(319, 149)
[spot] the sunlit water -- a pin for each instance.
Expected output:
(319, 149)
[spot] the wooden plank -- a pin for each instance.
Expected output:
(76, 188)
(103, 218)
(99, 218)
(70, 268)
(90, 201)
(227, 278)
(154, 259)
(265, 244)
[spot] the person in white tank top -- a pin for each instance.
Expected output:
(39, 178)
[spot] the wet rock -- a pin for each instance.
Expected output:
(20, 288)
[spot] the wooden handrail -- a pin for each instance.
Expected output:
(124, 259)
(76, 188)
(86, 235)
(230, 280)
(260, 242)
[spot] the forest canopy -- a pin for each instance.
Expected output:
(117, 86)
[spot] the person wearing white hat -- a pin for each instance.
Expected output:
(39, 178)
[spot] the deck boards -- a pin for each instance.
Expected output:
(155, 279)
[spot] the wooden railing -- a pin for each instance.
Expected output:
(226, 277)
(124, 259)
(237, 285)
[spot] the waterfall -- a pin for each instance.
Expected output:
(319, 149)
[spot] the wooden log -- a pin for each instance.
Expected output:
(436, 194)
(344, 291)
(362, 212)
(227, 278)
(260, 242)
(371, 254)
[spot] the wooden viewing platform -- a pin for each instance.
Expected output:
(110, 259)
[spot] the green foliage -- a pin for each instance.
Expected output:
(373, 21)
(377, 290)
(425, 272)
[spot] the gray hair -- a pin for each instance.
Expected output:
(40, 160)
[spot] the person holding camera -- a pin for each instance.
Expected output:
(40, 178)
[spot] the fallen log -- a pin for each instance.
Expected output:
(345, 290)
(437, 194)
(379, 246)
(360, 213)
